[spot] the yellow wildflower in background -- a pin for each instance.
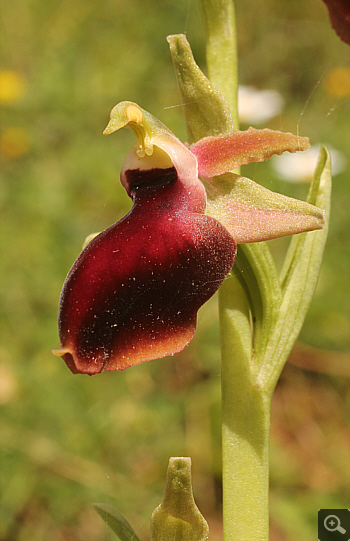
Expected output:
(12, 86)
(14, 142)
(337, 82)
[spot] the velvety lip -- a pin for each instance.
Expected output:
(134, 292)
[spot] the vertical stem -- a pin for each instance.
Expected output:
(245, 425)
(245, 408)
(220, 27)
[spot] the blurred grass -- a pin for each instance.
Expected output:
(70, 440)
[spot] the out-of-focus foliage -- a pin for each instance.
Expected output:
(68, 441)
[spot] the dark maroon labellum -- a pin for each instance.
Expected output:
(133, 293)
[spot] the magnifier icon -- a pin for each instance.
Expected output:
(332, 524)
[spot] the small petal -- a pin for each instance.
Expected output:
(223, 153)
(251, 213)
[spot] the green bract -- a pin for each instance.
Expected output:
(178, 518)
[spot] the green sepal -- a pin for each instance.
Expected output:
(116, 522)
(252, 213)
(178, 518)
(205, 108)
(299, 277)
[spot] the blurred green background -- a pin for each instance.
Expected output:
(67, 441)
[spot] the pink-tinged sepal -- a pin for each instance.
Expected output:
(223, 153)
(252, 213)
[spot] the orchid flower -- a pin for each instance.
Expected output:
(134, 292)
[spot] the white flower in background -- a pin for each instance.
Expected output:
(300, 167)
(258, 106)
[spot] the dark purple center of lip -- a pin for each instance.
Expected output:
(150, 178)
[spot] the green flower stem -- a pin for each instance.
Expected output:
(245, 296)
(278, 306)
(220, 27)
(261, 313)
(245, 424)
(245, 408)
